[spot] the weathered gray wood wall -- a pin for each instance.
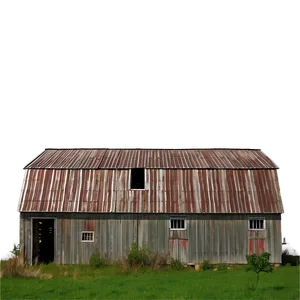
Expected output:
(214, 237)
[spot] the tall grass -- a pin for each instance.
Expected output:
(97, 260)
(13, 267)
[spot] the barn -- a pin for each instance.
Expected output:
(192, 204)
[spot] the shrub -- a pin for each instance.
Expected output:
(259, 263)
(138, 256)
(98, 261)
(206, 265)
(176, 264)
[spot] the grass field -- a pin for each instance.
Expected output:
(83, 282)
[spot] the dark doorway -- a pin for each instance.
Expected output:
(43, 241)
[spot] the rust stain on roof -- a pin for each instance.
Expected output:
(166, 191)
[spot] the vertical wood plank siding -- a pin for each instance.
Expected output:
(214, 237)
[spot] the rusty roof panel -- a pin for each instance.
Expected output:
(166, 191)
(150, 146)
(152, 159)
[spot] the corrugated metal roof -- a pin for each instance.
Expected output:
(166, 191)
(149, 146)
(152, 159)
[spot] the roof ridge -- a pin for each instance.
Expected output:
(124, 158)
(158, 147)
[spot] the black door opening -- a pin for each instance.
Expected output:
(43, 241)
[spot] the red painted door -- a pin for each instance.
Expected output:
(256, 246)
(179, 249)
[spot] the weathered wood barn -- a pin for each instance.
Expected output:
(194, 204)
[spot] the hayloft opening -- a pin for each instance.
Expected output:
(137, 178)
(43, 241)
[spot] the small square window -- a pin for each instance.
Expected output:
(257, 224)
(178, 223)
(87, 236)
(137, 179)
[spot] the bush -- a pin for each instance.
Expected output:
(138, 256)
(206, 265)
(98, 261)
(177, 264)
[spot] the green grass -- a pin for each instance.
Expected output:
(83, 282)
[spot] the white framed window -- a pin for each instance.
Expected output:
(87, 236)
(177, 223)
(257, 224)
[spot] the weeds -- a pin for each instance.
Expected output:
(222, 267)
(138, 256)
(206, 265)
(14, 268)
(122, 266)
(16, 250)
(158, 260)
(97, 260)
(2, 263)
(177, 264)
